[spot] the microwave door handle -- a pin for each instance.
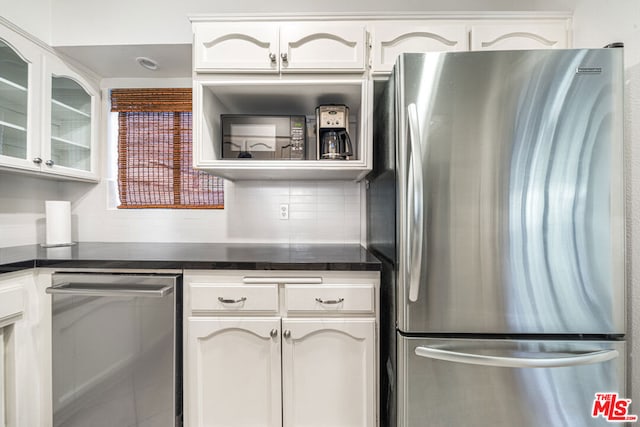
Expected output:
(415, 209)
(257, 144)
(516, 362)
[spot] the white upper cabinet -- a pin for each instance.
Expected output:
(390, 39)
(322, 46)
(290, 65)
(229, 47)
(20, 71)
(274, 47)
(70, 124)
(48, 112)
(545, 34)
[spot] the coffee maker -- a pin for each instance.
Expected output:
(333, 142)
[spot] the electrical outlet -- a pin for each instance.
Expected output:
(284, 211)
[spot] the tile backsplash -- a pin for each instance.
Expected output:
(319, 211)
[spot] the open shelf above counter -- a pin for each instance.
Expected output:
(212, 98)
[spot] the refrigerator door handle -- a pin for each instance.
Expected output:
(415, 208)
(517, 362)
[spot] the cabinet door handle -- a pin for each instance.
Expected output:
(284, 57)
(231, 301)
(329, 301)
(37, 160)
(273, 333)
(49, 163)
(286, 333)
(272, 57)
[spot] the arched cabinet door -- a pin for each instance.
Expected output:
(70, 126)
(390, 39)
(521, 35)
(279, 47)
(327, 47)
(328, 372)
(236, 47)
(20, 71)
(233, 372)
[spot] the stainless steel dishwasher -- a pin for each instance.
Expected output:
(117, 350)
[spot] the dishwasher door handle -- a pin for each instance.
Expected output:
(109, 290)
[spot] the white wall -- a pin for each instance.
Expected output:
(22, 200)
(87, 22)
(33, 16)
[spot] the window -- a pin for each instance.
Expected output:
(154, 152)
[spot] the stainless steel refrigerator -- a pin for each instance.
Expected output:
(496, 203)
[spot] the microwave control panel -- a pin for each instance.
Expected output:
(298, 131)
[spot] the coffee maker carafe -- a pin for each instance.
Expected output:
(333, 139)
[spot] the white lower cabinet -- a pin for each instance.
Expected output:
(328, 372)
(310, 360)
(234, 365)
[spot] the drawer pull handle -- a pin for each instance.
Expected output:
(232, 301)
(257, 280)
(329, 301)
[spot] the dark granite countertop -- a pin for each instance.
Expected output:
(245, 256)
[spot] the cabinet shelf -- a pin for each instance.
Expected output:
(13, 126)
(64, 112)
(278, 97)
(13, 100)
(13, 140)
(65, 144)
(294, 169)
(4, 83)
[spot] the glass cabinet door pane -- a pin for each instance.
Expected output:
(14, 78)
(70, 124)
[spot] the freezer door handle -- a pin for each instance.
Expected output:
(571, 359)
(415, 208)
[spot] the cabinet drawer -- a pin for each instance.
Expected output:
(226, 298)
(330, 298)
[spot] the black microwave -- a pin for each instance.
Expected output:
(263, 137)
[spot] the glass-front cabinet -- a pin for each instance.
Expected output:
(48, 112)
(69, 129)
(19, 68)
(70, 124)
(14, 91)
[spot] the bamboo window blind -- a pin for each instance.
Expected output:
(155, 149)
